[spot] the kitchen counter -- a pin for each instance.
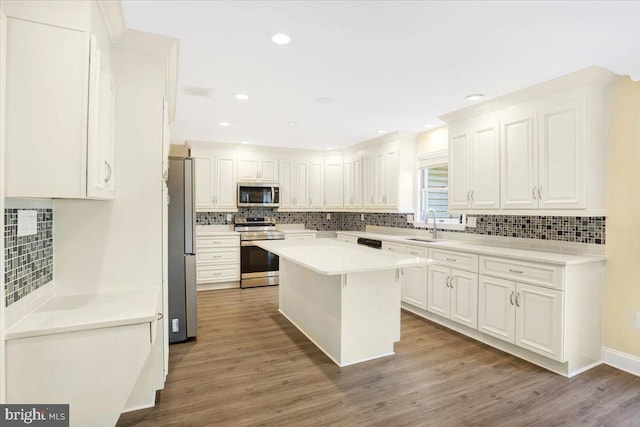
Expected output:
(216, 230)
(555, 258)
(84, 312)
(330, 257)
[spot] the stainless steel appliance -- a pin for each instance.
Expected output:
(258, 267)
(254, 194)
(183, 319)
(372, 243)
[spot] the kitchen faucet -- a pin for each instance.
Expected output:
(435, 227)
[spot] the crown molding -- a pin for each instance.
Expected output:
(113, 19)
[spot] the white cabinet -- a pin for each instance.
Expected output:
(316, 180)
(414, 279)
(369, 185)
(347, 239)
(294, 184)
(333, 183)
(217, 260)
(47, 114)
(257, 167)
(453, 294)
(526, 315)
(215, 186)
(474, 165)
(385, 183)
(353, 182)
(101, 128)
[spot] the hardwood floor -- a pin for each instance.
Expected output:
(251, 367)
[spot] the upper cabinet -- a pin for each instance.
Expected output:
(257, 167)
(530, 151)
(215, 186)
(333, 182)
(60, 99)
(294, 184)
(352, 175)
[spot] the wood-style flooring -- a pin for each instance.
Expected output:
(250, 367)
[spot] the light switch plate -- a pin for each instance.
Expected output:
(471, 221)
(27, 222)
(229, 217)
(328, 216)
(361, 217)
(409, 218)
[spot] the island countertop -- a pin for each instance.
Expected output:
(331, 257)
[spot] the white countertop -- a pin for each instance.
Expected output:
(82, 312)
(330, 257)
(297, 231)
(555, 258)
(216, 230)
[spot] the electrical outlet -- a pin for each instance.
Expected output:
(409, 218)
(471, 221)
(175, 325)
(328, 216)
(27, 222)
(229, 217)
(361, 217)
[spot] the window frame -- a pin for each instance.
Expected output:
(432, 160)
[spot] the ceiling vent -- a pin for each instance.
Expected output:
(204, 92)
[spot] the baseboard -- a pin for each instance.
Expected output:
(623, 361)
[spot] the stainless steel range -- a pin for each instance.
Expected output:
(258, 267)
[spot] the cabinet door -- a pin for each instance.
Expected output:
(333, 185)
(379, 179)
(369, 182)
(247, 169)
(356, 190)
(563, 156)
(205, 182)
(301, 185)
(438, 295)
(268, 170)
(348, 176)
(539, 322)
(414, 286)
(519, 182)
(459, 193)
(287, 186)
(47, 83)
(464, 298)
(315, 184)
(484, 182)
(497, 310)
(225, 189)
(391, 179)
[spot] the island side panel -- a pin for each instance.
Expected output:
(370, 315)
(312, 302)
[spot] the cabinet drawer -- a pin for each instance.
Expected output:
(213, 274)
(204, 241)
(459, 260)
(300, 236)
(393, 247)
(417, 251)
(347, 239)
(218, 256)
(521, 271)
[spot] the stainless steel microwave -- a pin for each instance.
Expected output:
(252, 194)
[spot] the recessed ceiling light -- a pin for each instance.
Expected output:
(428, 126)
(223, 124)
(381, 131)
(474, 97)
(324, 100)
(244, 142)
(242, 96)
(281, 38)
(329, 148)
(293, 123)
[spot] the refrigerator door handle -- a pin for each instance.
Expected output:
(191, 295)
(189, 208)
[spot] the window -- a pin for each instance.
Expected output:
(433, 181)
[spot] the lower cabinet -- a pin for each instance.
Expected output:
(414, 279)
(217, 260)
(453, 294)
(347, 239)
(526, 315)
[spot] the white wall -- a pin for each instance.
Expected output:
(3, 38)
(432, 140)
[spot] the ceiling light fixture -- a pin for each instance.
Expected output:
(381, 131)
(223, 124)
(474, 97)
(242, 96)
(428, 126)
(281, 38)
(329, 148)
(293, 123)
(244, 142)
(324, 100)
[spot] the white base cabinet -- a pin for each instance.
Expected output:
(217, 260)
(413, 283)
(453, 294)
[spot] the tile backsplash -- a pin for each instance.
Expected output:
(560, 228)
(28, 260)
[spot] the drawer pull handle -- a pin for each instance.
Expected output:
(217, 256)
(415, 253)
(515, 271)
(518, 299)
(451, 259)
(217, 274)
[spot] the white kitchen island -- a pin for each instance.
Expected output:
(345, 298)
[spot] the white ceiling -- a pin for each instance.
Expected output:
(394, 65)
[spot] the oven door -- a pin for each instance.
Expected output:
(258, 267)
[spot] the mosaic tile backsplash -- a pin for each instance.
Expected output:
(562, 228)
(28, 260)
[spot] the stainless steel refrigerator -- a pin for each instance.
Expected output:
(183, 316)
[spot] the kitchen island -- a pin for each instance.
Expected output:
(345, 298)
